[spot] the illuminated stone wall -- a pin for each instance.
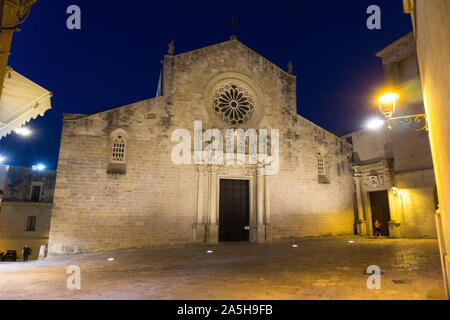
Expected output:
(16, 206)
(156, 201)
(13, 221)
(432, 33)
(402, 153)
(416, 203)
(370, 145)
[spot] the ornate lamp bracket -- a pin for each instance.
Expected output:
(416, 122)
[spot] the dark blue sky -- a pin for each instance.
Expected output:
(115, 58)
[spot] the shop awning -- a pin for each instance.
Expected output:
(21, 100)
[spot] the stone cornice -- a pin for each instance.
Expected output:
(398, 49)
(25, 203)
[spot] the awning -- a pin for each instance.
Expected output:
(21, 101)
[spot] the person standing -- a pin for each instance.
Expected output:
(26, 252)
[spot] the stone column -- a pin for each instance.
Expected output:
(213, 228)
(267, 217)
(395, 222)
(394, 206)
(199, 226)
(261, 230)
(361, 225)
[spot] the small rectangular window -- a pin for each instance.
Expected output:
(31, 223)
(36, 193)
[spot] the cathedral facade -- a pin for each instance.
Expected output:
(118, 185)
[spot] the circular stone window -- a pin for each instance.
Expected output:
(233, 104)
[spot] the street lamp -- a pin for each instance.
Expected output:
(374, 123)
(23, 131)
(38, 167)
(387, 103)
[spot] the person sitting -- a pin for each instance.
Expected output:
(377, 228)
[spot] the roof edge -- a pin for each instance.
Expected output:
(68, 116)
(232, 41)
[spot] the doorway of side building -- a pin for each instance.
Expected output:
(234, 210)
(379, 204)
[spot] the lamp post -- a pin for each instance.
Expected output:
(387, 103)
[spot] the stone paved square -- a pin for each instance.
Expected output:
(319, 268)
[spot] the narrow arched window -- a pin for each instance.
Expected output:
(118, 152)
(118, 148)
(320, 164)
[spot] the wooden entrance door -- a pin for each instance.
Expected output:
(234, 210)
(379, 203)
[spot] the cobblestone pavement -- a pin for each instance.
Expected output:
(319, 268)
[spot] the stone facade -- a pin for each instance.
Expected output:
(151, 200)
(397, 160)
(432, 37)
(24, 218)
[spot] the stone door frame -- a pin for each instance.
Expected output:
(363, 187)
(206, 217)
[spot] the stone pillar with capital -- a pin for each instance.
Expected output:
(361, 225)
(199, 225)
(260, 228)
(212, 228)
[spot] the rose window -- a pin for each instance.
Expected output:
(233, 104)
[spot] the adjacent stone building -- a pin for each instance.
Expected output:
(118, 185)
(393, 169)
(25, 208)
(432, 36)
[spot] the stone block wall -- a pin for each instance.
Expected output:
(13, 221)
(16, 183)
(151, 203)
(417, 203)
(155, 200)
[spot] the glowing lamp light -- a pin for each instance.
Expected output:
(23, 131)
(387, 103)
(375, 123)
(2, 159)
(351, 241)
(111, 259)
(295, 246)
(395, 190)
(39, 167)
(209, 251)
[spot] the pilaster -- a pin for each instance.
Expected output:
(361, 224)
(212, 229)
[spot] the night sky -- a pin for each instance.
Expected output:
(114, 59)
